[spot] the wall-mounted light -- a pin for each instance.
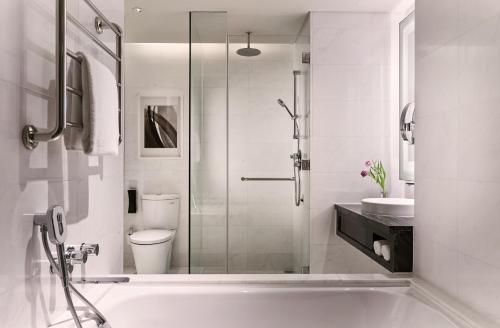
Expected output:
(137, 9)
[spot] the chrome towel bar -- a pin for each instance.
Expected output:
(31, 135)
(266, 179)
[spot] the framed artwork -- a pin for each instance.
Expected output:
(160, 125)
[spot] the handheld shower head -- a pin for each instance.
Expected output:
(282, 104)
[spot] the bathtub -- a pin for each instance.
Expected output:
(154, 303)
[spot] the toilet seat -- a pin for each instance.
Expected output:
(151, 237)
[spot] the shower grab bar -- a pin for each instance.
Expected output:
(31, 136)
(267, 179)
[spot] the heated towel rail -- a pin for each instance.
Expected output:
(31, 135)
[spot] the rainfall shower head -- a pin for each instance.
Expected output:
(248, 51)
(282, 104)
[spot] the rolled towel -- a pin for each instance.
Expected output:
(385, 249)
(100, 135)
(377, 245)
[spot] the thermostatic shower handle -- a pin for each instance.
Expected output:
(407, 127)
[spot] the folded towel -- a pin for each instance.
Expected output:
(73, 136)
(100, 133)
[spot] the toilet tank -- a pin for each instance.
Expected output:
(160, 211)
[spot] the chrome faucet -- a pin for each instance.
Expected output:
(53, 228)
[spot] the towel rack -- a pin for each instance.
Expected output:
(31, 135)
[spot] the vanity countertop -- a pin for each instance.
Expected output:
(389, 221)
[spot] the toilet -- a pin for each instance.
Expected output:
(152, 247)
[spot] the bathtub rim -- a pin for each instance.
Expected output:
(457, 312)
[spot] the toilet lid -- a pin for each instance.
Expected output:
(150, 237)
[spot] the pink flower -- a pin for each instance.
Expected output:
(364, 173)
(368, 163)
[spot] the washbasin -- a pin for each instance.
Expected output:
(388, 206)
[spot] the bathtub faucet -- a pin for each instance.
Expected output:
(53, 227)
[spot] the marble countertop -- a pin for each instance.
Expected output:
(390, 221)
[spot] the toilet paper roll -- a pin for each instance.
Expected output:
(385, 249)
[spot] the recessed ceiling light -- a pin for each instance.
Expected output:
(137, 9)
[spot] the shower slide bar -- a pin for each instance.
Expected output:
(267, 179)
(31, 135)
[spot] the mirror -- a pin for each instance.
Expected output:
(407, 98)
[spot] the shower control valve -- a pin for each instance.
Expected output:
(297, 159)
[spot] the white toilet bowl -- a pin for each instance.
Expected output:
(152, 250)
(152, 247)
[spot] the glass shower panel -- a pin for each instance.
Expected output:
(301, 216)
(208, 142)
(268, 233)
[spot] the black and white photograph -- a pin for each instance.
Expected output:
(160, 126)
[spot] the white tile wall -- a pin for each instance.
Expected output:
(89, 188)
(458, 153)
(156, 68)
(350, 109)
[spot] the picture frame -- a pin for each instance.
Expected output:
(160, 124)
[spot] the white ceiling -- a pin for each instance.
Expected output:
(167, 20)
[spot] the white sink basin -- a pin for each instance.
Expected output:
(388, 206)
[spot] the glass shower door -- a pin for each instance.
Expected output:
(239, 129)
(208, 143)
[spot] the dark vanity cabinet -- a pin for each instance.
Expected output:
(362, 230)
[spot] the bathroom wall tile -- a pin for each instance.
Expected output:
(478, 283)
(351, 119)
(478, 140)
(473, 13)
(438, 74)
(455, 229)
(347, 20)
(323, 227)
(269, 239)
(439, 152)
(439, 23)
(350, 105)
(479, 51)
(355, 45)
(345, 154)
(350, 83)
(435, 262)
(478, 208)
(441, 210)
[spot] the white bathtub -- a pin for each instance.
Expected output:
(289, 304)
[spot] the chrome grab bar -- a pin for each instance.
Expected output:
(31, 136)
(267, 179)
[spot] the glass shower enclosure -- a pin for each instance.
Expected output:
(245, 213)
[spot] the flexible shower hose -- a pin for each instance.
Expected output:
(67, 285)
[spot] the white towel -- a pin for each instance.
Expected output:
(377, 244)
(385, 249)
(99, 108)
